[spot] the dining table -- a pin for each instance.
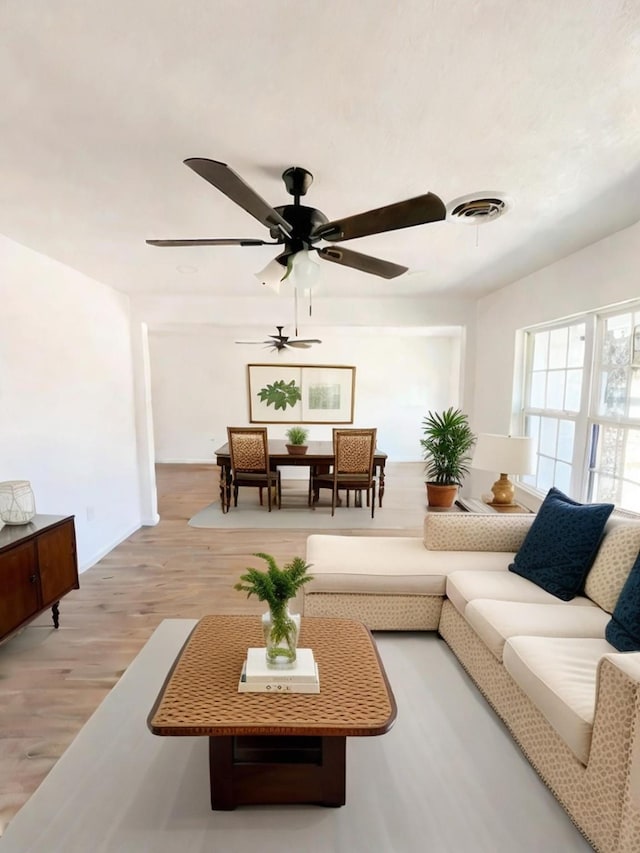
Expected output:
(319, 458)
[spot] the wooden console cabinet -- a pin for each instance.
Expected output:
(38, 565)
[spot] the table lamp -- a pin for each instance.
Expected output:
(514, 454)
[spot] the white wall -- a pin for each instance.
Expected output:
(199, 383)
(258, 317)
(604, 273)
(66, 397)
(75, 412)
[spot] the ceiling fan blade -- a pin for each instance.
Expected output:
(228, 182)
(253, 342)
(402, 214)
(240, 241)
(365, 263)
(306, 341)
(298, 344)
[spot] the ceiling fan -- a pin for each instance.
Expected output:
(279, 342)
(298, 228)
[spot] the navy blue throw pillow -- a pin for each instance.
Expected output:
(623, 629)
(561, 544)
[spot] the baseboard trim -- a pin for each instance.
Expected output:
(95, 558)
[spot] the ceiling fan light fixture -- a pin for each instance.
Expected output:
(306, 271)
(271, 276)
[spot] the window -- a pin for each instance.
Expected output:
(582, 406)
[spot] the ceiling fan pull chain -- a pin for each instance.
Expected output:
(295, 305)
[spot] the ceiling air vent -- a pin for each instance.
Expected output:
(478, 208)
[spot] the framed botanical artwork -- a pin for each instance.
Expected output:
(301, 393)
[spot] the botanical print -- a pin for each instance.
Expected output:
(323, 396)
(301, 393)
(280, 394)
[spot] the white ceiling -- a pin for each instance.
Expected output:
(101, 100)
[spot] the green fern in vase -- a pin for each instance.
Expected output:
(277, 586)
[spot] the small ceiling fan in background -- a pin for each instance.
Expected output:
(279, 342)
(299, 228)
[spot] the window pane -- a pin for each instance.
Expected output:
(575, 354)
(537, 394)
(630, 496)
(631, 469)
(558, 340)
(566, 432)
(604, 490)
(555, 390)
(617, 467)
(562, 479)
(613, 392)
(634, 393)
(540, 347)
(609, 450)
(532, 427)
(548, 433)
(616, 347)
(573, 391)
(545, 473)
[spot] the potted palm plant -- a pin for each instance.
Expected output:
(297, 436)
(277, 586)
(446, 448)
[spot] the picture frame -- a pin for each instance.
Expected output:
(301, 393)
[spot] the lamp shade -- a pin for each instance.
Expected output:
(306, 271)
(508, 454)
(272, 275)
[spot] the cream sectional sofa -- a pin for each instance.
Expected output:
(569, 698)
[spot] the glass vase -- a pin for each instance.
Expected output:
(281, 629)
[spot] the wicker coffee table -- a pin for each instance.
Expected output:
(282, 748)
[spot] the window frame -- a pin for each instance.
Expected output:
(587, 422)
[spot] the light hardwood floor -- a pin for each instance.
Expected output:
(52, 681)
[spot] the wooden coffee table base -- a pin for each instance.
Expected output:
(251, 770)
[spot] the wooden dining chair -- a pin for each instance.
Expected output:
(353, 466)
(250, 465)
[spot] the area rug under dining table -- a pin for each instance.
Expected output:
(447, 778)
(403, 508)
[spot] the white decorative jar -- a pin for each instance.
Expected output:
(17, 503)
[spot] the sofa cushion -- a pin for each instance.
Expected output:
(559, 676)
(464, 586)
(497, 621)
(561, 544)
(623, 630)
(387, 564)
(467, 531)
(616, 554)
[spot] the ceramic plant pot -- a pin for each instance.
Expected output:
(441, 496)
(297, 449)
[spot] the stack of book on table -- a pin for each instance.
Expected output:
(258, 677)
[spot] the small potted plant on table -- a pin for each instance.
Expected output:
(297, 436)
(446, 449)
(277, 586)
